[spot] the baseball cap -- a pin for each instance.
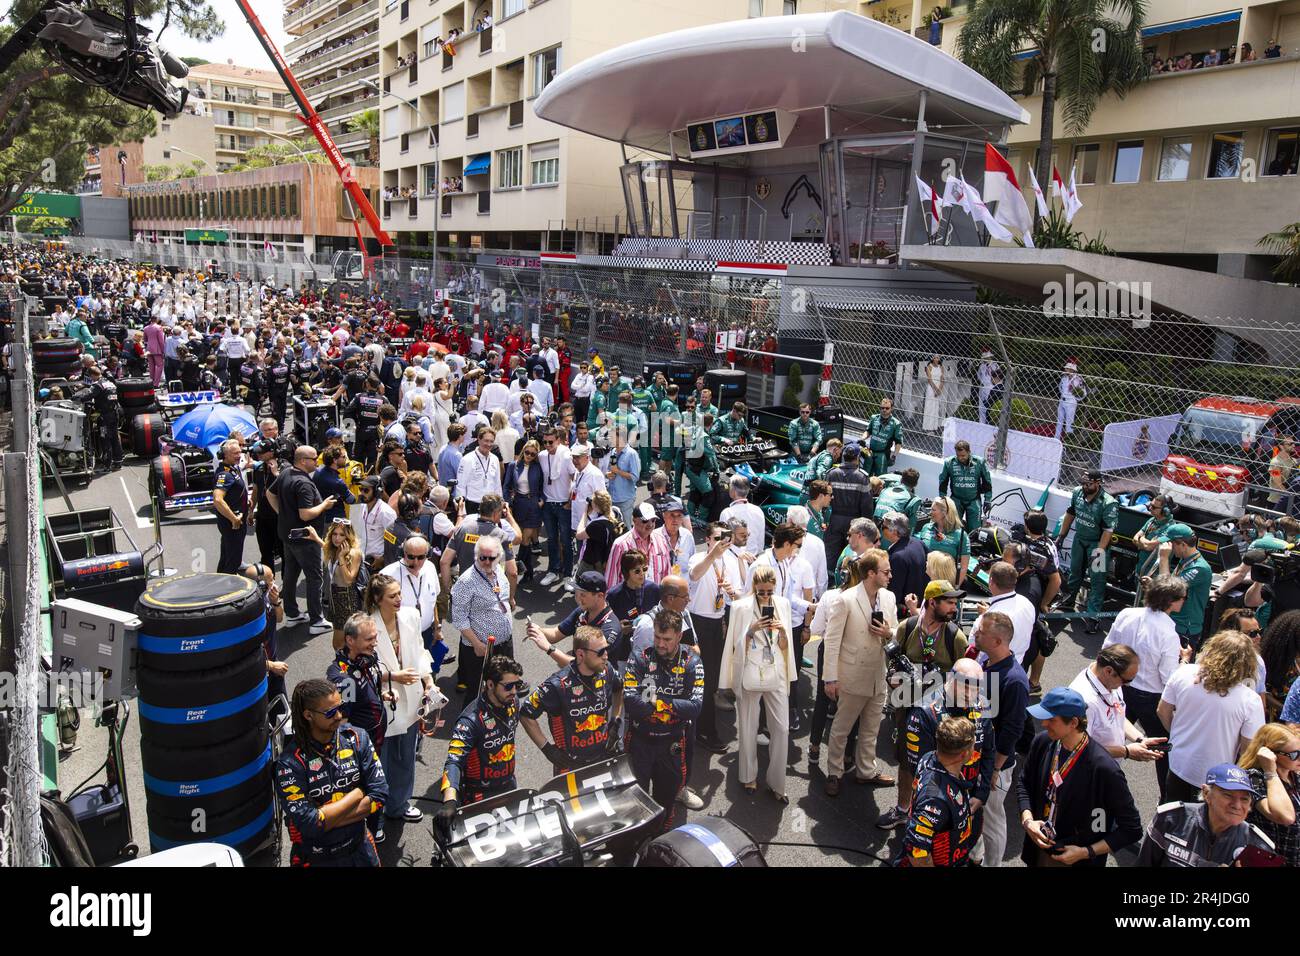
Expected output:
(672, 503)
(370, 482)
(578, 450)
(1228, 776)
(1179, 532)
(591, 351)
(591, 581)
(1092, 474)
(1060, 702)
(942, 589)
(645, 511)
(333, 433)
(852, 452)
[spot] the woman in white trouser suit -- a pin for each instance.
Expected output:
(760, 653)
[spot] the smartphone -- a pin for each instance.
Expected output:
(878, 618)
(1162, 748)
(297, 534)
(768, 612)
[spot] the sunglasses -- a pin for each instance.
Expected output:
(602, 652)
(1289, 754)
(416, 557)
(343, 521)
(488, 558)
(511, 687)
(331, 713)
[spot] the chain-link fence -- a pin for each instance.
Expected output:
(1206, 403)
(632, 317)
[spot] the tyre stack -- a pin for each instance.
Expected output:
(204, 741)
(139, 406)
(56, 358)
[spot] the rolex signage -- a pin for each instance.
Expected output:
(206, 235)
(57, 205)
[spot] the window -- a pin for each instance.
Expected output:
(545, 65)
(1281, 152)
(429, 33)
(430, 178)
(453, 102)
(544, 160)
(755, 8)
(789, 8)
(1128, 161)
(166, 127)
(1085, 161)
(1225, 155)
(1175, 160)
(391, 120)
(510, 7)
(167, 154)
(510, 168)
(293, 199)
(484, 202)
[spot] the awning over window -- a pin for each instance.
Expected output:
(1195, 24)
(1025, 55)
(479, 165)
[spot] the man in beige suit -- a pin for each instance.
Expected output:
(854, 669)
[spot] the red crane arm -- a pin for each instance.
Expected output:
(312, 120)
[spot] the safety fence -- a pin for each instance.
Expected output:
(632, 317)
(1048, 396)
(22, 841)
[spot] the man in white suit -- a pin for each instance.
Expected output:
(854, 669)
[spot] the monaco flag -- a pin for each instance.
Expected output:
(1000, 186)
(930, 203)
(1072, 203)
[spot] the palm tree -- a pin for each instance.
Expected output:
(1285, 243)
(1085, 49)
(367, 121)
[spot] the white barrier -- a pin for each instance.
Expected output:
(1032, 457)
(1142, 441)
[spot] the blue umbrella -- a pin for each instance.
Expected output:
(209, 425)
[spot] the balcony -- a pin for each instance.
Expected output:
(349, 109)
(362, 46)
(354, 138)
(302, 14)
(336, 27)
(341, 82)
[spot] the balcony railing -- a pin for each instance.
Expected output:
(302, 14)
(339, 25)
(339, 82)
(347, 109)
(357, 48)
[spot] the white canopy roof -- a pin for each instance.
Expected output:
(639, 92)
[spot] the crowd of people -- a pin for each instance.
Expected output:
(472, 466)
(1211, 58)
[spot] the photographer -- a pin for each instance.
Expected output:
(1069, 787)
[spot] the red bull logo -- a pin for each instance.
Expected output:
(504, 755)
(592, 722)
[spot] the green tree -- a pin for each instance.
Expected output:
(35, 224)
(1285, 243)
(48, 119)
(1085, 49)
(276, 154)
(367, 121)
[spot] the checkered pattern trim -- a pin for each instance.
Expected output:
(731, 250)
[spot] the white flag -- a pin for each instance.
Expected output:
(952, 193)
(1038, 193)
(1071, 199)
(974, 204)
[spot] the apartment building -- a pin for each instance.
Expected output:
(229, 109)
(334, 55)
(242, 100)
(463, 156)
(1198, 163)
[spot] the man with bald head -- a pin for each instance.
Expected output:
(300, 513)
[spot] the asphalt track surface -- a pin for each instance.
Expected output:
(825, 831)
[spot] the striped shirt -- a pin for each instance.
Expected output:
(481, 603)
